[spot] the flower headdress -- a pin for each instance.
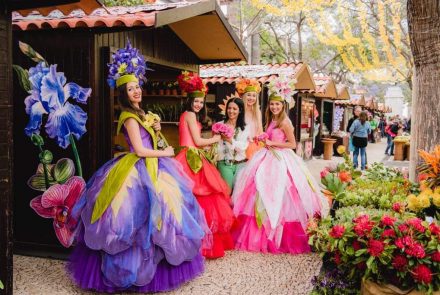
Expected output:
(247, 85)
(128, 66)
(192, 84)
(282, 89)
(222, 107)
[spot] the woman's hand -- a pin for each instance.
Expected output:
(216, 138)
(168, 151)
(269, 142)
(156, 126)
(227, 139)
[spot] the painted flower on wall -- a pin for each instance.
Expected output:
(49, 95)
(57, 203)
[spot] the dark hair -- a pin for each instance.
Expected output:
(125, 103)
(363, 117)
(201, 115)
(240, 119)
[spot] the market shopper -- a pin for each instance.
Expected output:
(359, 130)
(357, 110)
(391, 132)
(210, 189)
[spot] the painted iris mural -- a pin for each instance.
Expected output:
(53, 105)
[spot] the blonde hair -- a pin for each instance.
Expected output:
(256, 112)
(279, 119)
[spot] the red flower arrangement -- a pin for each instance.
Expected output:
(191, 82)
(337, 231)
(373, 247)
(422, 274)
(400, 262)
(387, 220)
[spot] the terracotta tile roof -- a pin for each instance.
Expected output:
(143, 15)
(232, 73)
(87, 6)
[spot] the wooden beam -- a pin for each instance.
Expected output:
(6, 150)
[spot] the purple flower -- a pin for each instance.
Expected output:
(49, 95)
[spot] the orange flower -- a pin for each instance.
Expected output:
(344, 176)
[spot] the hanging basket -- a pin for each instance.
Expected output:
(371, 288)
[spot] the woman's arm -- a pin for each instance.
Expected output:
(132, 127)
(191, 120)
(287, 127)
(259, 123)
(353, 126)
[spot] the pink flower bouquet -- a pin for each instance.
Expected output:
(223, 129)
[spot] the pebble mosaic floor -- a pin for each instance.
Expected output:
(236, 273)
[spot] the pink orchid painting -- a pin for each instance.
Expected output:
(57, 203)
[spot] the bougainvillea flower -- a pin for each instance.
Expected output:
(57, 203)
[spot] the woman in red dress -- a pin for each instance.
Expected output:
(210, 189)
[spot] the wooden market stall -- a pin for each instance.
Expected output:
(221, 82)
(171, 36)
(325, 95)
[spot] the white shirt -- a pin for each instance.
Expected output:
(235, 151)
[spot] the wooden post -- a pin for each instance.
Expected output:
(5, 149)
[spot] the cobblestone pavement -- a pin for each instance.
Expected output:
(236, 273)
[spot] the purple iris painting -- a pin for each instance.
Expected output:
(49, 94)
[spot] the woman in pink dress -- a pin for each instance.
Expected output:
(275, 194)
(211, 191)
(249, 89)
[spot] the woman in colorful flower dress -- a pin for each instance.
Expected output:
(275, 195)
(211, 191)
(140, 228)
(249, 89)
(232, 151)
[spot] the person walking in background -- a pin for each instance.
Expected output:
(373, 125)
(360, 129)
(391, 132)
(382, 125)
(357, 110)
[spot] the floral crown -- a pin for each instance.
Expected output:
(222, 107)
(192, 84)
(282, 89)
(247, 85)
(128, 66)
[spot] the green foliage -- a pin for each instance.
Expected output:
(110, 3)
(167, 112)
(23, 77)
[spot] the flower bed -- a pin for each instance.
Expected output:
(379, 232)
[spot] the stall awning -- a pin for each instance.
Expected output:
(199, 24)
(263, 73)
(325, 87)
(343, 92)
(205, 30)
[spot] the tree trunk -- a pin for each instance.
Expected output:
(255, 49)
(424, 33)
(6, 148)
(298, 30)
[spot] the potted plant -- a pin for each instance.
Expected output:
(161, 87)
(174, 88)
(168, 88)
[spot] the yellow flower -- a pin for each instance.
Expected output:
(424, 201)
(437, 190)
(436, 199)
(427, 192)
(413, 203)
(341, 149)
(122, 68)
